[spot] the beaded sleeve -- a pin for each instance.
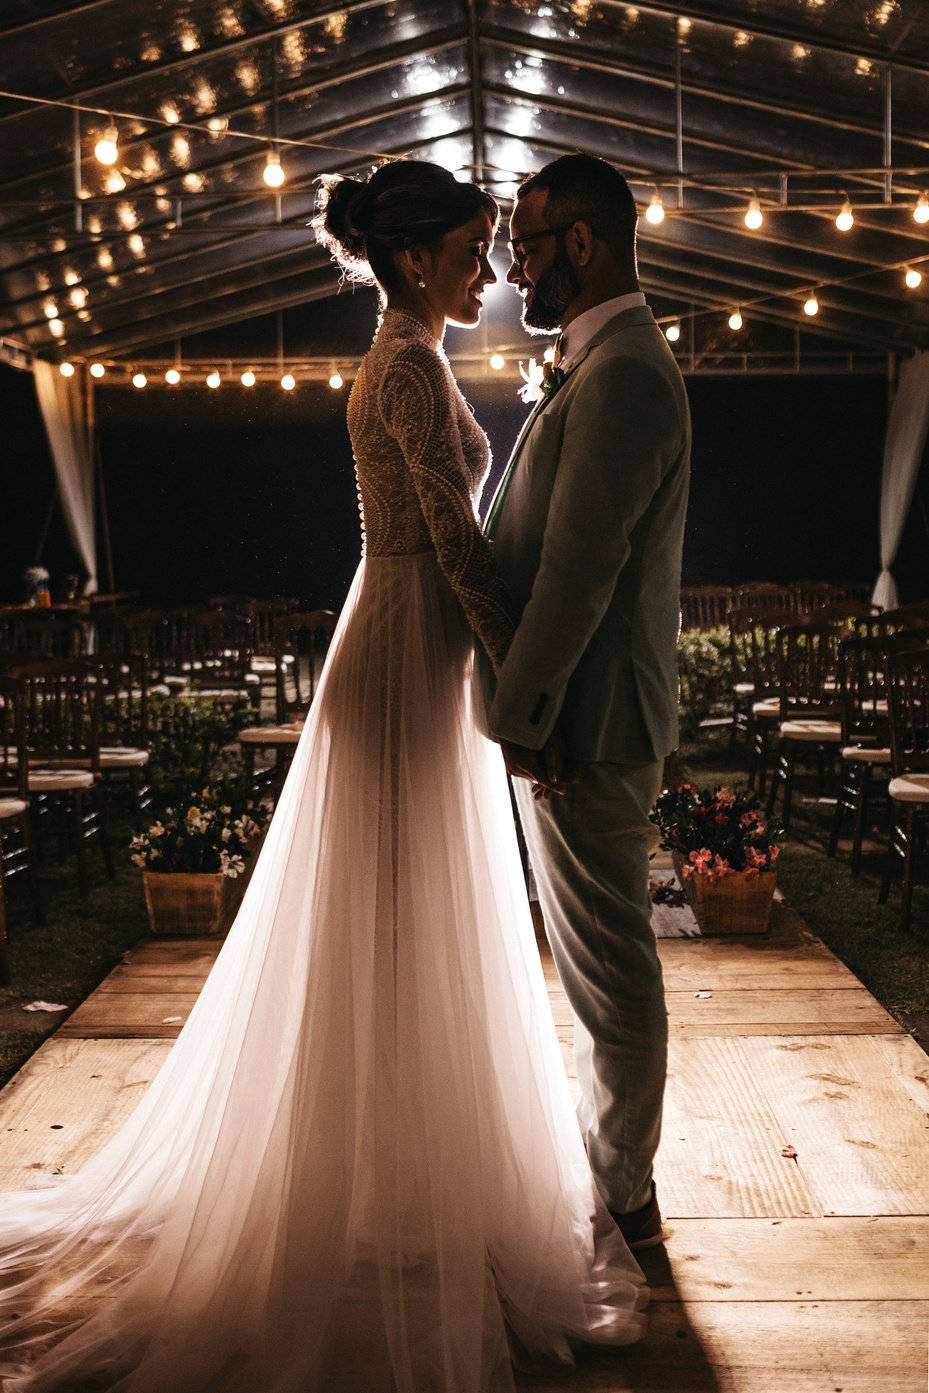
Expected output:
(418, 411)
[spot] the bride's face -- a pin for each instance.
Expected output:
(459, 271)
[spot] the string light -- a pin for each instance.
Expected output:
(213, 380)
(106, 149)
(335, 380)
(248, 378)
(56, 327)
(754, 218)
(273, 174)
(172, 377)
(811, 304)
(921, 211)
(845, 219)
(66, 369)
(912, 278)
(654, 213)
(288, 382)
(673, 332)
(97, 370)
(139, 380)
(497, 361)
(735, 321)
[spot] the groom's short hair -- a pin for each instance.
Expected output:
(584, 188)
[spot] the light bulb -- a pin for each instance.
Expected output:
(654, 213)
(106, 149)
(56, 327)
(172, 376)
(735, 320)
(273, 171)
(845, 220)
(139, 380)
(811, 305)
(66, 369)
(288, 382)
(921, 211)
(754, 217)
(497, 361)
(673, 332)
(248, 378)
(97, 370)
(913, 278)
(335, 381)
(214, 379)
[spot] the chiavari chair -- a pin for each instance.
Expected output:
(16, 850)
(807, 661)
(908, 702)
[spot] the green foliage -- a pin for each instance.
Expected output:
(705, 677)
(190, 736)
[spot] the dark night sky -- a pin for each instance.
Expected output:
(252, 491)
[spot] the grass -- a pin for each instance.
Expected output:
(842, 909)
(64, 960)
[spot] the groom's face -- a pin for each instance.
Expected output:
(541, 268)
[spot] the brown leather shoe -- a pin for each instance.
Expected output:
(642, 1227)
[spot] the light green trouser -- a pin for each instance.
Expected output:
(589, 851)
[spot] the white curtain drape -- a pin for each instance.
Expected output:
(66, 413)
(903, 452)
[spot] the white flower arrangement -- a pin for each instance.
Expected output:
(209, 835)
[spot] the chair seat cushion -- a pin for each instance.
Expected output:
(910, 788)
(12, 807)
(122, 757)
(816, 732)
(860, 754)
(59, 780)
(770, 706)
(270, 735)
(744, 688)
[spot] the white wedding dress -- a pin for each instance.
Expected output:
(359, 1168)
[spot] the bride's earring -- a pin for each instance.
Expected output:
(421, 283)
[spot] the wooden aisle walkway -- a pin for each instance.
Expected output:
(793, 1174)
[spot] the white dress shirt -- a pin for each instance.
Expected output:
(581, 330)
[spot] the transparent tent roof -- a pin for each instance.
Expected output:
(802, 105)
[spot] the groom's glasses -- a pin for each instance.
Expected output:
(518, 247)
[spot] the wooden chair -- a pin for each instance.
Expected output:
(809, 596)
(807, 659)
(16, 851)
(705, 606)
(908, 701)
(904, 617)
(42, 633)
(865, 750)
(124, 735)
(211, 650)
(62, 712)
(300, 644)
(761, 594)
(753, 657)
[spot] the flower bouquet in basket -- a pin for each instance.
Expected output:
(189, 854)
(724, 853)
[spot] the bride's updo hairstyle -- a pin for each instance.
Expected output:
(405, 203)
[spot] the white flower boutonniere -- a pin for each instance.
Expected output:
(539, 381)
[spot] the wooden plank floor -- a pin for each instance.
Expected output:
(806, 1272)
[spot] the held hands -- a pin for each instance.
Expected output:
(550, 769)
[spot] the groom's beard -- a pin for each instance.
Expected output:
(554, 291)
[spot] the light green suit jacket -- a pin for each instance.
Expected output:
(588, 527)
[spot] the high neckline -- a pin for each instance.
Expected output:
(404, 316)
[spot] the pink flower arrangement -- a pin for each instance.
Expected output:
(716, 832)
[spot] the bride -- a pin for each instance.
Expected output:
(359, 1168)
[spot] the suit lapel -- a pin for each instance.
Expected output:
(638, 314)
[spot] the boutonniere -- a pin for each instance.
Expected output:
(539, 381)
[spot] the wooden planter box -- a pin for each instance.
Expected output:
(184, 904)
(735, 904)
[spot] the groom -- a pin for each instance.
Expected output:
(588, 527)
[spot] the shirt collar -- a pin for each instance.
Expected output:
(581, 330)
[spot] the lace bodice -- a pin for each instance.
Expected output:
(420, 462)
